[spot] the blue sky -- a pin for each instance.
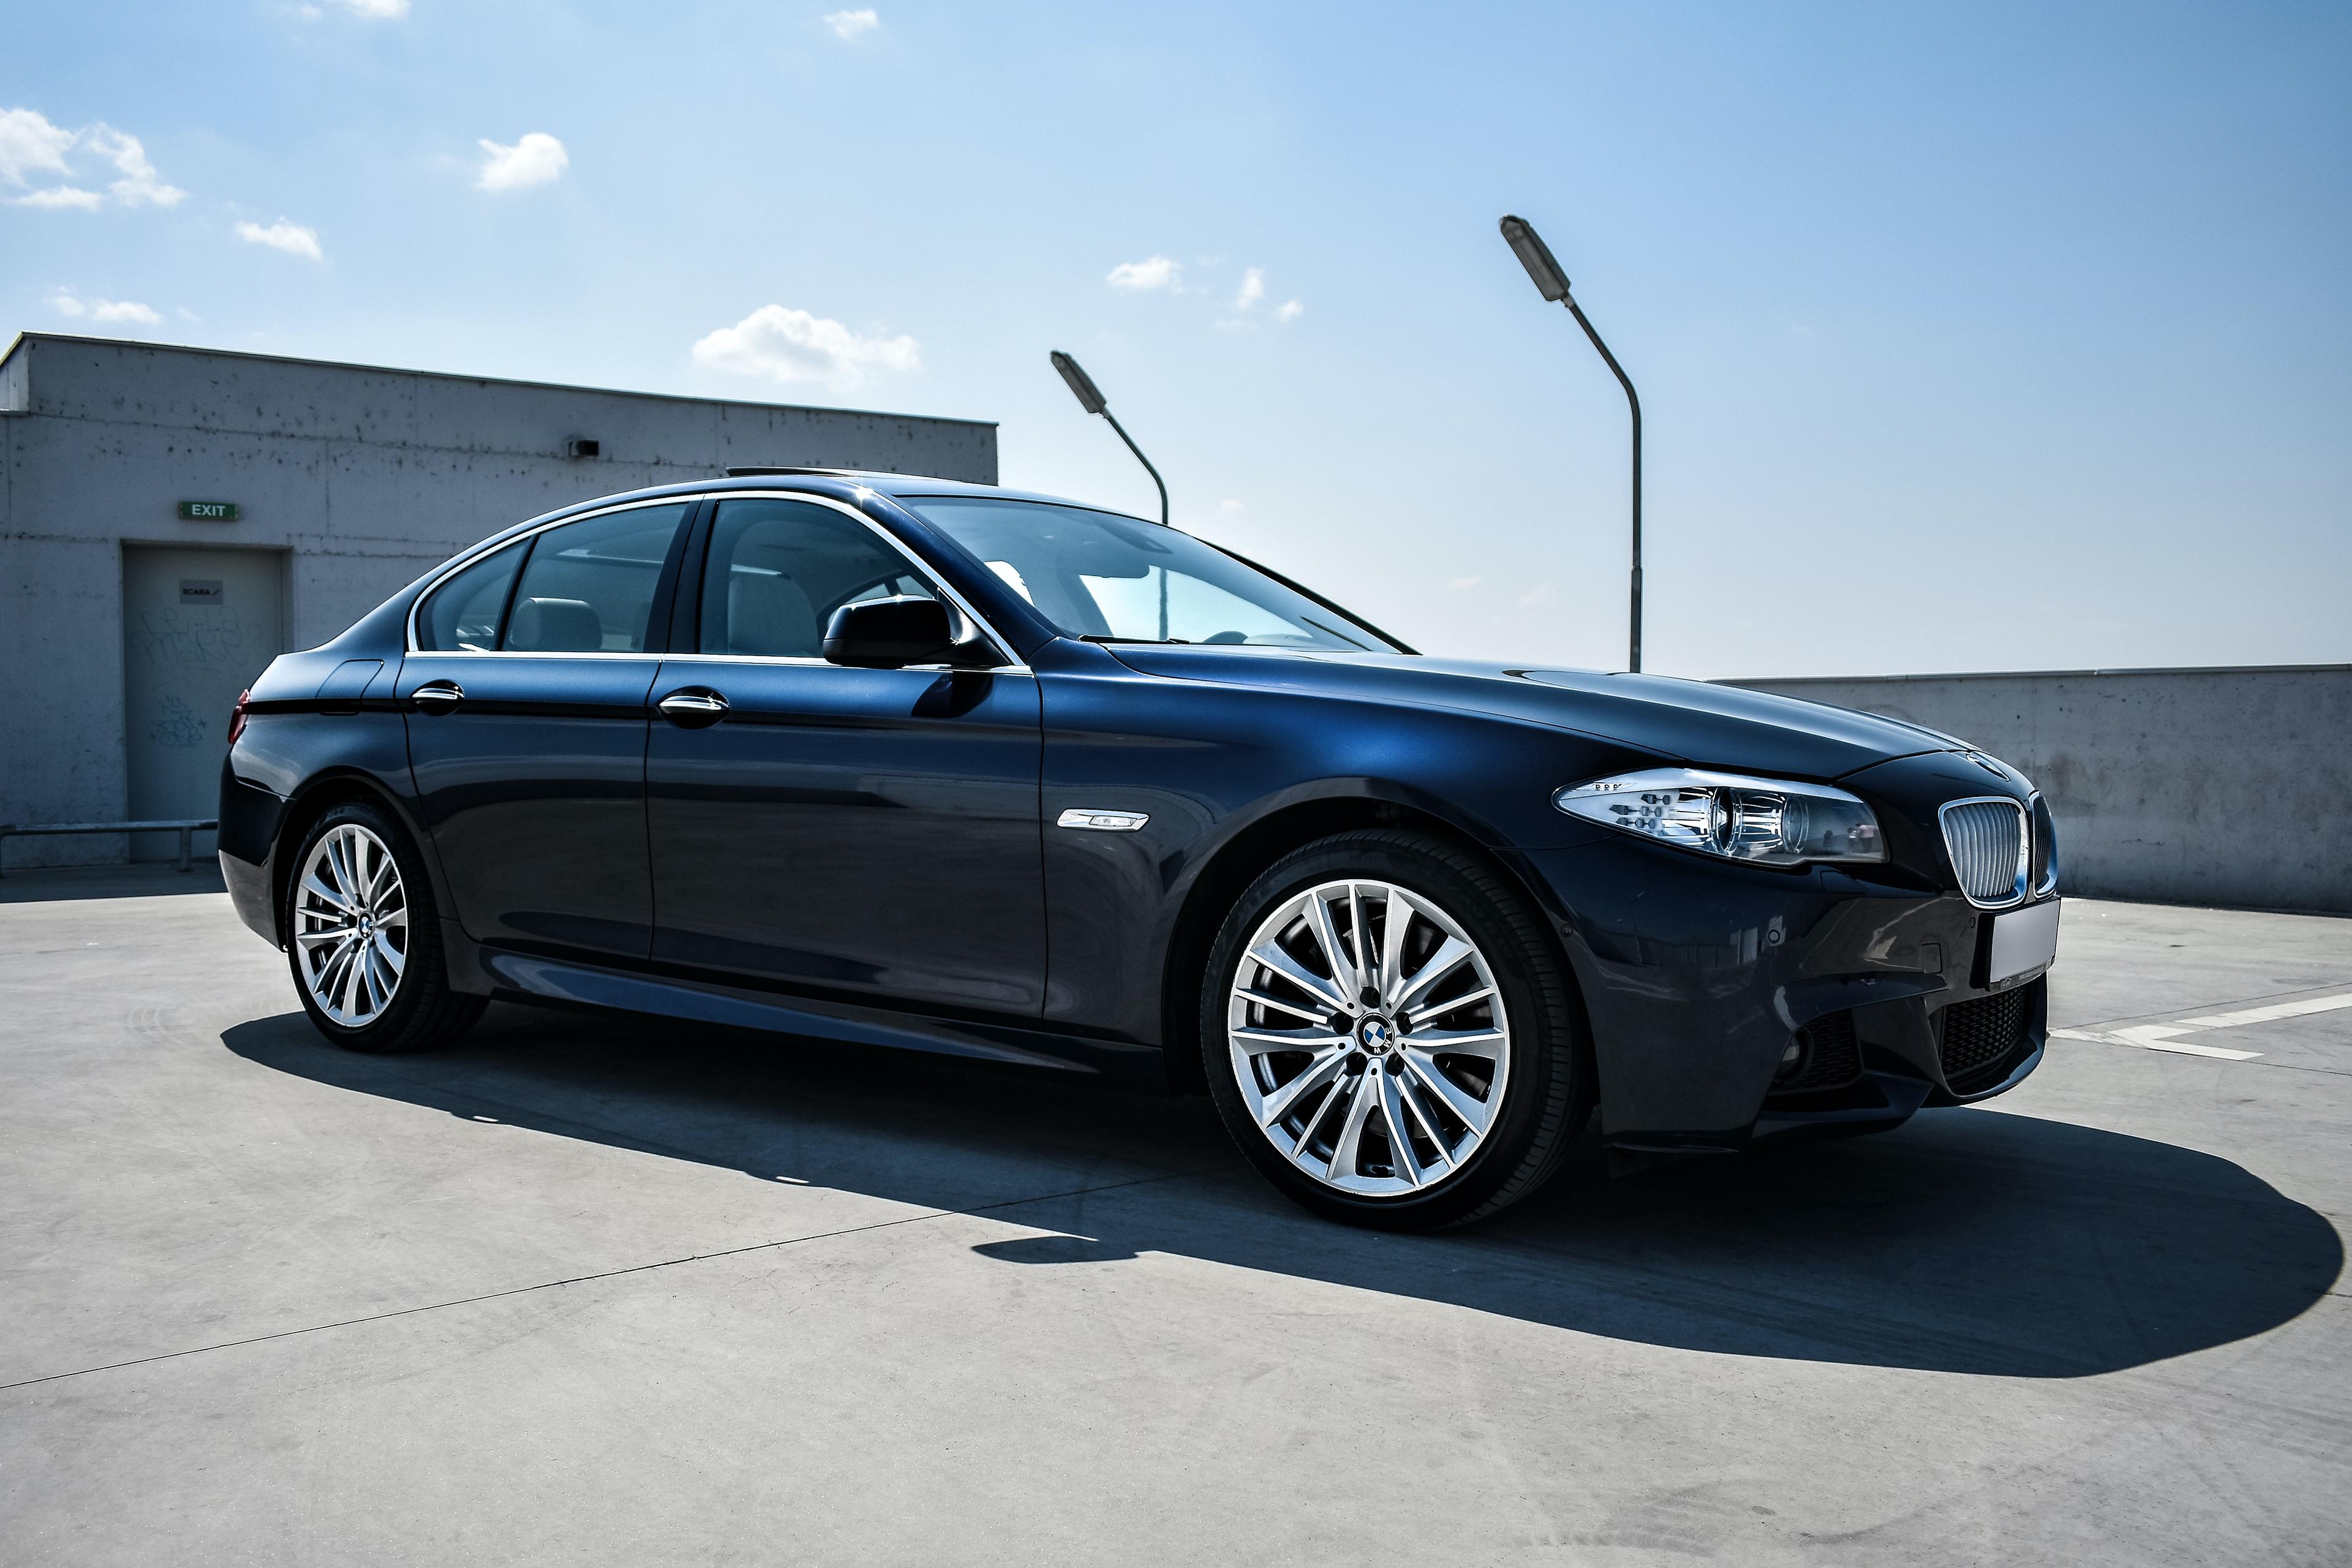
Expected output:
(1985, 337)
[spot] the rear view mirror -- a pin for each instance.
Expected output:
(885, 634)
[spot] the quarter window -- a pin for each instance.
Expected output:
(589, 585)
(464, 613)
(778, 569)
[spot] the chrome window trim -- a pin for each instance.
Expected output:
(787, 660)
(922, 569)
(2020, 880)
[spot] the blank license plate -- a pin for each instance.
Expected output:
(2022, 942)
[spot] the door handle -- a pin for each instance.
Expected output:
(438, 697)
(693, 707)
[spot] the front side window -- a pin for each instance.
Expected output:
(778, 569)
(464, 613)
(589, 585)
(1115, 579)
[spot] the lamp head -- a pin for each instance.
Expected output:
(1537, 257)
(1082, 386)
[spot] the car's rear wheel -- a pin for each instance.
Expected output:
(1389, 1034)
(362, 937)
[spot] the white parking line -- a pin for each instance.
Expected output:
(2167, 1036)
(2275, 1010)
(2153, 1037)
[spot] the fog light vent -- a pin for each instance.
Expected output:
(1824, 1054)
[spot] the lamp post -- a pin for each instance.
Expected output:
(1091, 399)
(1552, 284)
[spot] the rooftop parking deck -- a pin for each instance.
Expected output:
(584, 1291)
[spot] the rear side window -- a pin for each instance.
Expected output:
(778, 569)
(589, 585)
(463, 614)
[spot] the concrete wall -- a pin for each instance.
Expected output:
(365, 478)
(2225, 787)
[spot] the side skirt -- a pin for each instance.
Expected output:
(528, 977)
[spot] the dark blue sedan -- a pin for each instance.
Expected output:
(900, 761)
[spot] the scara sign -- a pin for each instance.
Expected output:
(208, 510)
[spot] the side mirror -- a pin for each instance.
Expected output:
(887, 633)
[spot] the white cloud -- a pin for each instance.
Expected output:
(1231, 506)
(140, 186)
(30, 144)
(534, 161)
(1541, 594)
(286, 236)
(63, 196)
(1253, 289)
(1289, 310)
(372, 10)
(788, 346)
(67, 304)
(1157, 272)
(851, 26)
(1470, 582)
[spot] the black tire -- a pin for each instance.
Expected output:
(1544, 1090)
(422, 1011)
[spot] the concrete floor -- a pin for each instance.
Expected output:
(581, 1291)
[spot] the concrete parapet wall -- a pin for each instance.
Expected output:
(2225, 787)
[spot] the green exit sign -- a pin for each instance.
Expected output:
(208, 510)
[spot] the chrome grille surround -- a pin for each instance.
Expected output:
(2045, 848)
(1990, 845)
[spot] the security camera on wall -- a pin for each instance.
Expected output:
(581, 447)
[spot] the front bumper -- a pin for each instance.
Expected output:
(1697, 977)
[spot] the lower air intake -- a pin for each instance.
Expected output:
(1830, 1057)
(1979, 1040)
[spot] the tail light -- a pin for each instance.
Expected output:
(239, 714)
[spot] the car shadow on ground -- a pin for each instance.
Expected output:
(1969, 1241)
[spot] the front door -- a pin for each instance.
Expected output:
(527, 730)
(870, 832)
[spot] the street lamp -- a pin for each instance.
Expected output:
(1091, 399)
(1552, 284)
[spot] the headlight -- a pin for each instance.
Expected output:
(1767, 822)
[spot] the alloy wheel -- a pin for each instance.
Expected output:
(351, 919)
(1368, 1038)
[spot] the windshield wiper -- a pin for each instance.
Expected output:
(1153, 642)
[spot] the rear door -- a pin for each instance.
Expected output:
(871, 831)
(527, 727)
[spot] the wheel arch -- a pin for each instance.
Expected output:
(1250, 849)
(316, 797)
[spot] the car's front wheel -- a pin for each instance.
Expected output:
(1389, 1034)
(362, 940)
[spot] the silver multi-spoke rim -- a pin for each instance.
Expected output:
(350, 926)
(1368, 1038)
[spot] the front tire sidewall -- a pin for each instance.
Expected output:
(1541, 1046)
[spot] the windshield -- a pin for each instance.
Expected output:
(1114, 579)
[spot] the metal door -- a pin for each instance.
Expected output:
(198, 626)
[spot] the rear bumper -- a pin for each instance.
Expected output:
(1698, 977)
(250, 819)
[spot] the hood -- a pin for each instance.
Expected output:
(1708, 726)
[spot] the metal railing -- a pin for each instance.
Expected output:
(186, 828)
